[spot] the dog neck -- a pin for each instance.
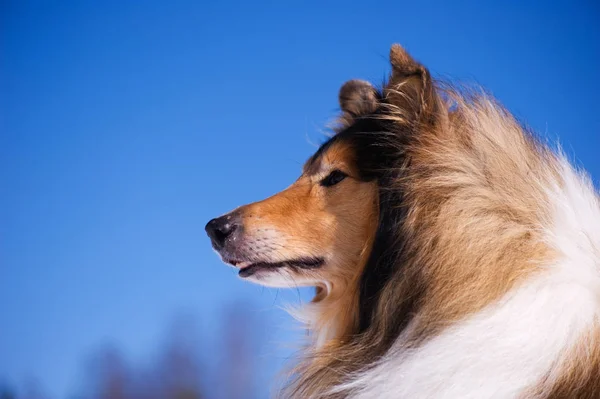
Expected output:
(333, 315)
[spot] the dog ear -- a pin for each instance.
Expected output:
(410, 89)
(358, 98)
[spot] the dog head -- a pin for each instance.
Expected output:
(320, 230)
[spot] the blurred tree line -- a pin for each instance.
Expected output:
(179, 371)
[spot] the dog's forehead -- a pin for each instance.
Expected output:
(333, 152)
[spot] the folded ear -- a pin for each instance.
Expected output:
(410, 89)
(358, 98)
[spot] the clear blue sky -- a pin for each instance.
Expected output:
(125, 126)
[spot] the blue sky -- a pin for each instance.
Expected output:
(126, 126)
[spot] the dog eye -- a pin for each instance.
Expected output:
(333, 178)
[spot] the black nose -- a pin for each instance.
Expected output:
(219, 229)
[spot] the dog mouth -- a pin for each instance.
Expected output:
(247, 269)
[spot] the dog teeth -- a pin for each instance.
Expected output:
(242, 265)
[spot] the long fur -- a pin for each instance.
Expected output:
(484, 275)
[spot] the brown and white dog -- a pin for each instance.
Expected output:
(454, 255)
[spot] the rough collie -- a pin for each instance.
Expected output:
(454, 254)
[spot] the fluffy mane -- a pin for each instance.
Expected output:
(474, 213)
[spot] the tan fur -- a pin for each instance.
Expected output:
(473, 190)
